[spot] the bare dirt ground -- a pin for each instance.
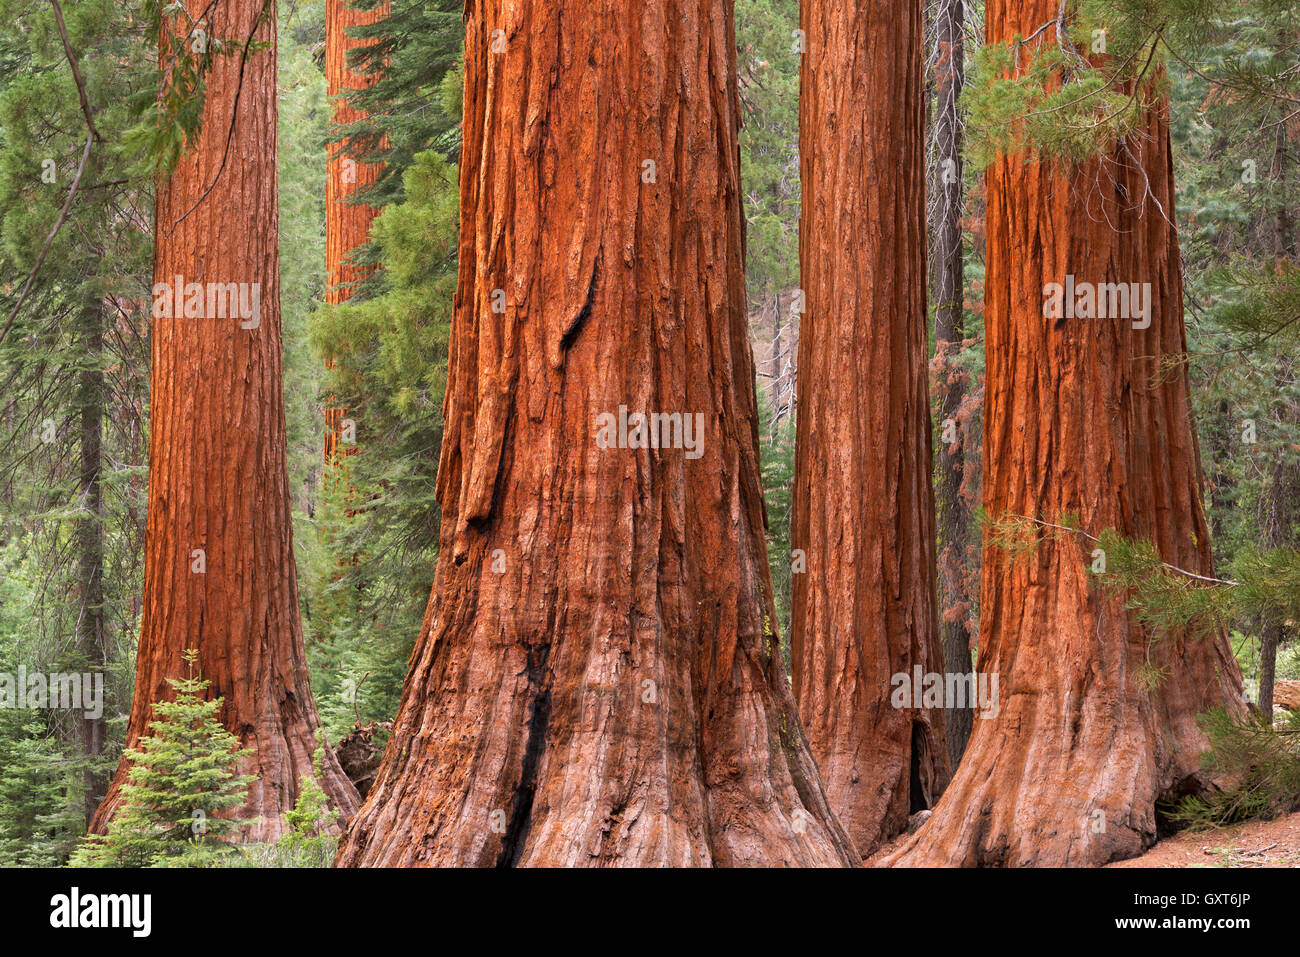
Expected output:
(1253, 844)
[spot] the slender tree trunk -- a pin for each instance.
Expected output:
(947, 283)
(1224, 445)
(219, 564)
(1280, 495)
(598, 680)
(863, 515)
(1270, 639)
(90, 538)
(1284, 221)
(347, 224)
(776, 349)
(1096, 717)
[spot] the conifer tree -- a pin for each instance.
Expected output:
(863, 607)
(598, 680)
(220, 571)
(1088, 426)
(182, 785)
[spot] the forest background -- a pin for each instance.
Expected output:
(74, 420)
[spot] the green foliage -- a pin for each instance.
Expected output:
(1075, 89)
(311, 840)
(1260, 302)
(415, 103)
(1288, 664)
(776, 462)
(1046, 96)
(378, 517)
(169, 108)
(41, 795)
(304, 122)
(768, 84)
(370, 537)
(180, 789)
(1265, 587)
(1164, 599)
(77, 346)
(1260, 764)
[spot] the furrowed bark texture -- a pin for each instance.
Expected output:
(863, 505)
(1080, 419)
(218, 478)
(598, 680)
(347, 224)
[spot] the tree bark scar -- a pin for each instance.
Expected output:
(477, 518)
(516, 836)
(579, 321)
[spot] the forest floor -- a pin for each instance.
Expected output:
(1253, 844)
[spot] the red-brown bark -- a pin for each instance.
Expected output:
(864, 609)
(598, 680)
(1083, 417)
(219, 564)
(347, 224)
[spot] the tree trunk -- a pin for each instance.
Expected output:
(598, 680)
(1278, 508)
(90, 537)
(864, 609)
(947, 282)
(347, 224)
(1225, 444)
(219, 563)
(1270, 639)
(1083, 418)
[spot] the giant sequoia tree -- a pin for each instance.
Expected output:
(1088, 424)
(219, 564)
(347, 222)
(598, 679)
(863, 519)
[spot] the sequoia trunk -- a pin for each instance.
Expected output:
(1089, 417)
(219, 563)
(598, 680)
(863, 607)
(347, 223)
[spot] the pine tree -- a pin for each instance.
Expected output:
(387, 358)
(181, 786)
(72, 355)
(410, 61)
